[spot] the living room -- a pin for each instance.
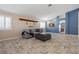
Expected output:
(39, 28)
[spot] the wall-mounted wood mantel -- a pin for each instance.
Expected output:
(27, 20)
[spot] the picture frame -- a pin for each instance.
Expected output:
(51, 25)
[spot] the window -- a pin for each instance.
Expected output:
(5, 22)
(42, 24)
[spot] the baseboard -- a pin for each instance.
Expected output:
(12, 38)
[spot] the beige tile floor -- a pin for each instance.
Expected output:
(59, 44)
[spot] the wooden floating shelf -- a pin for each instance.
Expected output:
(27, 20)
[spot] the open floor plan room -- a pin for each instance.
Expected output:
(39, 28)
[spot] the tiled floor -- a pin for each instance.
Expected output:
(60, 43)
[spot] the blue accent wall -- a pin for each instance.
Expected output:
(72, 22)
(56, 28)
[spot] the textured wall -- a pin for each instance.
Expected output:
(17, 26)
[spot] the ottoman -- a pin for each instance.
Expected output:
(43, 36)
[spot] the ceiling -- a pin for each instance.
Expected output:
(38, 10)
